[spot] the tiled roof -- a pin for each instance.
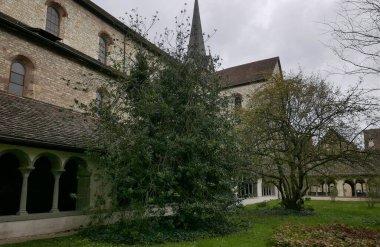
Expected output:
(249, 73)
(346, 170)
(29, 122)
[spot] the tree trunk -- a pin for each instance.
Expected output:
(293, 203)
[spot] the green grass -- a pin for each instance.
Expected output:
(350, 213)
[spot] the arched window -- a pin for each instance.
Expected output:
(371, 143)
(238, 99)
(17, 78)
(98, 99)
(52, 21)
(102, 49)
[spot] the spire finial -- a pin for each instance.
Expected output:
(196, 43)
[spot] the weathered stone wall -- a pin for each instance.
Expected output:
(80, 29)
(48, 80)
(246, 90)
(372, 138)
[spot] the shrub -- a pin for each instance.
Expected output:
(158, 230)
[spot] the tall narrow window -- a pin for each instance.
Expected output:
(238, 101)
(98, 99)
(17, 78)
(102, 49)
(52, 21)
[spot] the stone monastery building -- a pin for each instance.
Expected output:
(46, 48)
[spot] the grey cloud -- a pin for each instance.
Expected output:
(253, 30)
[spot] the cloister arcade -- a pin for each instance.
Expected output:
(342, 187)
(36, 181)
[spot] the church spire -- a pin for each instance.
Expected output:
(196, 43)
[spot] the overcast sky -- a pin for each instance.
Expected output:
(253, 30)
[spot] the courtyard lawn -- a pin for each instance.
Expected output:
(262, 225)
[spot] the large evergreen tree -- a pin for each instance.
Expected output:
(165, 139)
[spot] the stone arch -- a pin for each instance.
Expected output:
(349, 188)
(331, 187)
(74, 186)
(11, 181)
(23, 157)
(59, 6)
(237, 100)
(41, 183)
(361, 187)
(29, 68)
(104, 34)
(102, 97)
(105, 41)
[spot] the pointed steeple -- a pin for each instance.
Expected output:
(196, 43)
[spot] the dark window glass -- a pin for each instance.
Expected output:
(102, 50)
(238, 100)
(98, 100)
(16, 81)
(52, 21)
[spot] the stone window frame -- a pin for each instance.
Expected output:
(101, 97)
(62, 14)
(238, 100)
(29, 68)
(105, 41)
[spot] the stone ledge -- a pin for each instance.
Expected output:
(37, 228)
(15, 218)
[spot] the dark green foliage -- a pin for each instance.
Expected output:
(167, 229)
(165, 143)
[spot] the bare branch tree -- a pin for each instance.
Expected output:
(295, 127)
(356, 35)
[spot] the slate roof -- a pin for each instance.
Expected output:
(30, 122)
(249, 73)
(346, 170)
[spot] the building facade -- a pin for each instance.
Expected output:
(54, 54)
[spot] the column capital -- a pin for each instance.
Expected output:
(57, 172)
(26, 170)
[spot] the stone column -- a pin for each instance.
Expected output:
(366, 186)
(327, 188)
(260, 187)
(57, 176)
(24, 189)
(355, 194)
(317, 190)
(340, 188)
(276, 192)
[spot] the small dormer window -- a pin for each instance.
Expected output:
(371, 143)
(52, 21)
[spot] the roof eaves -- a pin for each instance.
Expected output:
(13, 140)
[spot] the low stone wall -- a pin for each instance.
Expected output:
(250, 201)
(343, 199)
(36, 227)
